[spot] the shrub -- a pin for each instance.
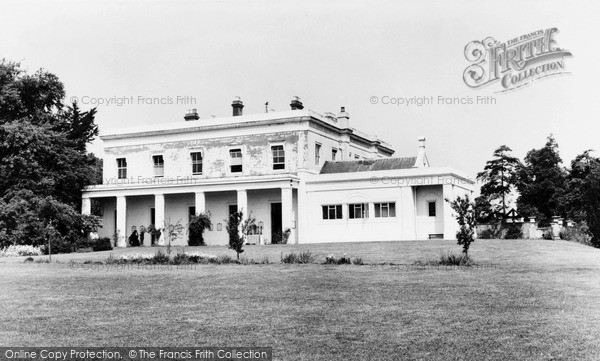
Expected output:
(493, 231)
(300, 258)
(102, 244)
(486, 234)
(59, 245)
(450, 259)
(578, 233)
(28, 259)
(357, 261)
(225, 259)
(465, 216)
(281, 237)
(196, 257)
(181, 258)
(21, 250)
(331, 259)
(513, 231)
(198, 223)
(161, 258)
(547, 234)
(236, 242)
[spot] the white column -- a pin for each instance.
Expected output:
(159, 216)
(450, 223)
(407, 213)
(200, 202)
(302, 216)
(121, 221)
(287, 212)
(86, 205)
(242, 202)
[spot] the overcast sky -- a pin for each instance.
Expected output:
(331, 54)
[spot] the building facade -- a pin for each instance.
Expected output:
(308, 173)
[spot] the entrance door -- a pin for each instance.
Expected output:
(276, 222)
(152, 220)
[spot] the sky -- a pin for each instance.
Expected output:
(356, 54)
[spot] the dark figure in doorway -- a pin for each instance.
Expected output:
(134, 241)
(142, 233)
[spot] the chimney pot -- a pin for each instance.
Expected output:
(191, 114)
(237, 106)
(296, 103)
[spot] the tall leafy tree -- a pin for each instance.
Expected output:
(541, 182)
(581, 200)
(499, 179)
(43, 160)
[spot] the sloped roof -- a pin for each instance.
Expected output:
(366, 165)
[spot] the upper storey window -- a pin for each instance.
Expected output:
(159, 165)
(278, 157)
(196, 162)
(121, 168)
(235, 160)
(317, 153)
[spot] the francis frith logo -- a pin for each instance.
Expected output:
(514, 63)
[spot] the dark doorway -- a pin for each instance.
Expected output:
(232, 209)
(276, 223)
(152, 220)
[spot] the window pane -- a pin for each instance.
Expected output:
(431, 209)
(278, 157)
(196, 162)
(158, 165)
(317, 153)
(392, 209)
(338, 210)
(235, 160)
(121, 168)
(325, 212)
(377, 210)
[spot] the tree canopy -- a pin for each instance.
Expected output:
(541, 182)
(499, 178)
(43, 160)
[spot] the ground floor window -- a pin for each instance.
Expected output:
(332, 211)
(385, 210)
(431, 207)
(358, 210)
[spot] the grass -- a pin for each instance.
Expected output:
(538, 302)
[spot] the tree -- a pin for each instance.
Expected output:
(541, 182)
(172, 232)
(499, 178)
(43, 161)
(236, 240)
(465, 216)
(581, 200)
(198, 223)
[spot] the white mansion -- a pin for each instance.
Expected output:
(300, 170)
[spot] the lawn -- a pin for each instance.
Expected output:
(533, 300)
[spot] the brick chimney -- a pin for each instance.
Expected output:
(296, 104)
(191, 114)
(237, 106)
